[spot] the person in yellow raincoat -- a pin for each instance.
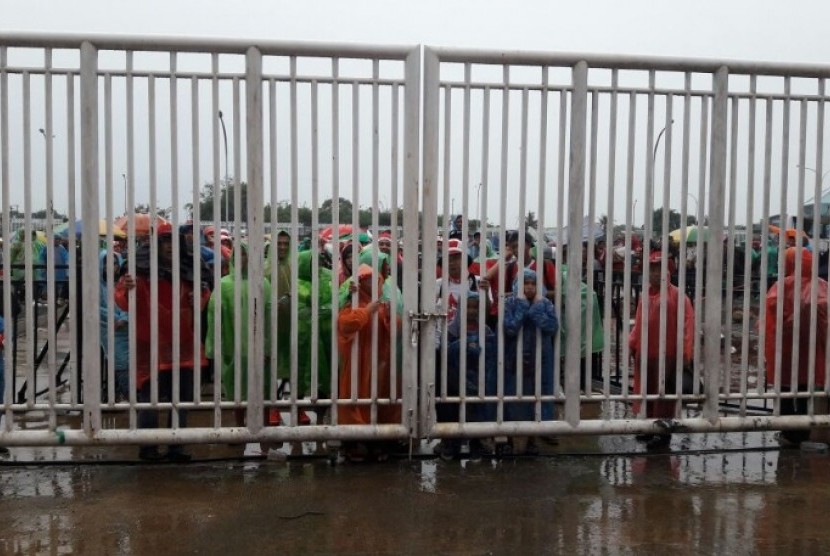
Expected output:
(355, 332)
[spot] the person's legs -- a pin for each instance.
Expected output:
(176, 451)
(794, 406)
(147, 419)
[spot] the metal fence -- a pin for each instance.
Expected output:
(134, 122)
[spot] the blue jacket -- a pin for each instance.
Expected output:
(122, 337)
(522, 316)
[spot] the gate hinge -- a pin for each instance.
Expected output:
(416, 319)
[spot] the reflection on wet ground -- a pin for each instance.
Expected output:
(753, 500)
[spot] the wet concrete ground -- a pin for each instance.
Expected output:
(708, 494)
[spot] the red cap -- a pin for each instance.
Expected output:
(164, 229)
(454, 247)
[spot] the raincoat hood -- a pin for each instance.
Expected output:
(528, 274)
(790, 257)
(454, 328)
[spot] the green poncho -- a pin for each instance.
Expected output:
(226, 289)
(597, 333)
(390, 290)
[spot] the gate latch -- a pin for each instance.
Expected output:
(416, 319)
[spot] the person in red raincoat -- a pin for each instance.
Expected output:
(789, 342)
(676, 348)
(356, 323)
(191, 302)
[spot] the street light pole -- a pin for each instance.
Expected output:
(478, 204)
(227, 179)
(125, 194)
(654, 155)
(697, 207)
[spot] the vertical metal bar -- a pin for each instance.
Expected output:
(236, 264)
(292, 254)
(444, 296)
(375, 172)
(196, 217)
(629, 217)
(89, 242)
(355, 232)
(522, 205)
(154, 248)
(681, 331)
(411, 182)
(430, 221)
(335, 225)
(814, 274)
(502, 276)
(730, 255)
(217, 253)
(766, 186)
(589, 257)
(274, 323)
(748, 293)
(576, 186)
(648, 231)
(701, 197)
(29, 275)
(256, 230)
(7, 396)
(541, 241)
(783, 222)
(485, 178)
(664, 240)
(559, 367)
(130, 139)
(609, 237)
(174, 219)
(110, 274)
(50, 247)
(315, 242)
(795, 382)
(717, 188)
(393, 181)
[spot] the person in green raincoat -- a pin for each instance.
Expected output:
(226, 290)
(588, 353)
(305, 318)
(390, 290)
(18, 256)
(281, 268)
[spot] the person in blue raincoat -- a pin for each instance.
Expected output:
(527, 312)
(121, 348)
(466, 336)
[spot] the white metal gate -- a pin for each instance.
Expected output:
(326, 136)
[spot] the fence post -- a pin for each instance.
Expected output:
(91, 367)
(713, 307)
(576, 194)
(428, 189)
(256, 299)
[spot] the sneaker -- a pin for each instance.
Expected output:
(178, 456)
(447, 450)
(658, 441)
(150, 453)
(476, 450)
(274, 417)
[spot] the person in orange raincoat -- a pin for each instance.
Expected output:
(676, 348)
(357, 323)
(191, 302)
(801, 344)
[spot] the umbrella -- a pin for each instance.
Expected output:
(62, 230)
(143, 223)
(692, 233)
(328, 233)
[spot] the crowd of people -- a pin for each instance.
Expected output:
(519, 303)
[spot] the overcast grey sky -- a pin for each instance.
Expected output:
(751, 30)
